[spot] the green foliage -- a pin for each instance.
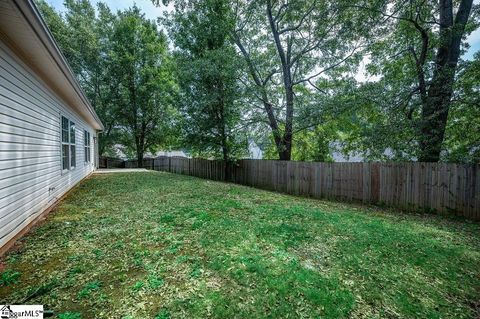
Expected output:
(164, 314)
(84, 35)
(314, 145)
(144, 74)
(404, 57)
(88, 288)
(462, 137)
(70, 315)
(289, 49)
(208, 70)
(292, 81)
(9, 277)
(155, 282)
(122, 63)
(138, 285)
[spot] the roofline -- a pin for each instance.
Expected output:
(28, 8)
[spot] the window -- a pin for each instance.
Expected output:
(87, 146)
(68, 144)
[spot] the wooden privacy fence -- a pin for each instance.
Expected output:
(147, 163)
(441, 187)
(110, 162)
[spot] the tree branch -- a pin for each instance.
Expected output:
(302, 19)
(308, 79)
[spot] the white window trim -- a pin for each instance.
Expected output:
(89, 146)
(62, 143)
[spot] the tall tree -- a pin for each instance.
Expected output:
(208, 71)
(436, 100)
(84, 37)
(419, 58)
(143, 71)
(287, 46)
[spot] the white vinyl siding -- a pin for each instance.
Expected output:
(31, 177)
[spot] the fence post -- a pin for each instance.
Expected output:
(375, 183)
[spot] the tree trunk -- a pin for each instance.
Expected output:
(225, 161)
(434, 117)
(435, 109)
(272, 120)
(140, 151)
(286, 153)
(223, 132)
(139, 158)
(288, 134)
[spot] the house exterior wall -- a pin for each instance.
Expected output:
(31, 174)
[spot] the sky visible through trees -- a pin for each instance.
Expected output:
(303, 80)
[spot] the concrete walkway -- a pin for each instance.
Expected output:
(119, 170)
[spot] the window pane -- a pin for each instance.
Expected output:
(72, 156)
(89, 158)
(72, 132)
(65, 149)
(64, 129)
(65, 136)
(86, 141)
(64, 123)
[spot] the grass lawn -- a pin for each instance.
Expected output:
(158, 245)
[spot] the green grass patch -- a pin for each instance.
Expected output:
(158, 245)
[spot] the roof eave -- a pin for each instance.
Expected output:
(34, 17)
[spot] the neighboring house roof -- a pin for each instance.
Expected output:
(25, 31)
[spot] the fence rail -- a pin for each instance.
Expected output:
(441, 187)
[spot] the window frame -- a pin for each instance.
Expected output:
(69, 143)
(87, 147)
